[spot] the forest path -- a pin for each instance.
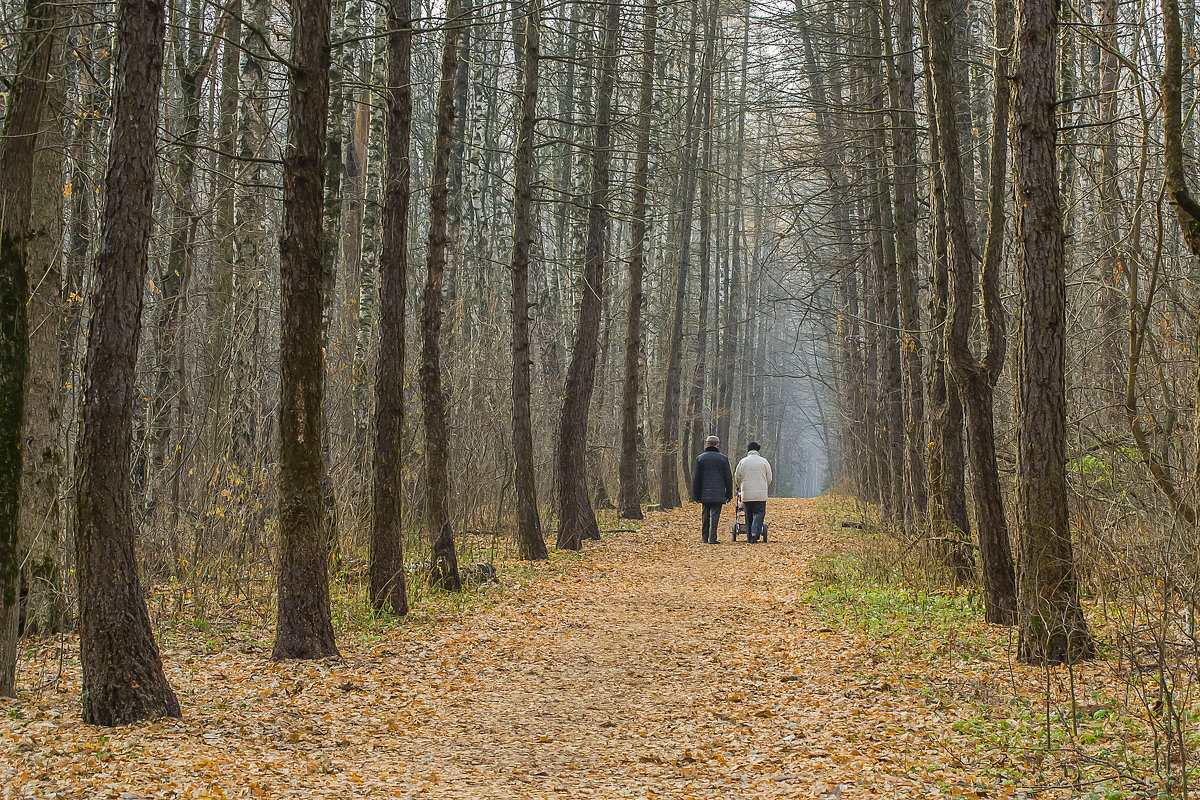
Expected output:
(653, 666)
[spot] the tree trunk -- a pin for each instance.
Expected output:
(695, 423)
(1112, 278)
(668, 473)
(735, 301)
(123, 679)
(976, 378)
(388, 590)
(948, 519)
(905, 168)
(890, 433)
(220, 302)
(22, 122)
(576, 519)
(530, 544)
(853, 435)
(250, 244)
(1052, 625)
(360, 302)
(41, 526)
(333, 278)
(629, 499)
(443, 559)
(304, 628)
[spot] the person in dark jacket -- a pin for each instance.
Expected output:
(712, 485)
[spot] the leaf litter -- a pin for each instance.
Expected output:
(654, 667)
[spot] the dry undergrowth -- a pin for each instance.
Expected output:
(655, 666)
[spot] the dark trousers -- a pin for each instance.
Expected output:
(712, 519)
(756, 512)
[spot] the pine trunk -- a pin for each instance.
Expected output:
(668, 474)
(1052, 628)
(905, 168)
(22, 123)
(629, 497)
(976, 378)
(696, 423)
(123, 679)
(443, 559)
(304, 628)
(41, 525)
(388, 590)
(948, 520)
(576, 519)
(530, 544)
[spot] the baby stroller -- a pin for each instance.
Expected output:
(740, 525)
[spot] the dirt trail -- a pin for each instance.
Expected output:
(655, 666)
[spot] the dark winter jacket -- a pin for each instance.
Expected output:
(712, 479)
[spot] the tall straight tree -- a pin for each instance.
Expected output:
(1052, 628)
(948, 516)
(901, 85)
(668, 472)
(695, 424)
(735, 285)
(123, 679)
(1112, 362)
(304, 628)
(21, 125)
(388, 590)
(849, 338)
(576, 519)
(629, 498)
(44, 608)
(443, 560)
(530, 543)
(975, 377)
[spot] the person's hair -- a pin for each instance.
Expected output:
(753, 446)
(712, 441)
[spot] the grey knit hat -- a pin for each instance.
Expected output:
(712, 441)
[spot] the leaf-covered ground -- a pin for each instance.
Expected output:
(654, 666)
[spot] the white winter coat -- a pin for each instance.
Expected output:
(753, 476)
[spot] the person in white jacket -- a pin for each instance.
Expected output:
(753, 478)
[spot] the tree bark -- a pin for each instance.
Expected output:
(1052, 628)
(123, 679)
(976, 378)
(304, 628)
(696, 423)
(629, 498)
(443, 559)
(576, 519)
(220, 303)
(388, 590)
(1112, 277)
(22, 123)
(905, 170)
(735, 287)
(41, 524)
(948, 519)
(250, 238)
(889, 434)
(668, 473)
(530, 544)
